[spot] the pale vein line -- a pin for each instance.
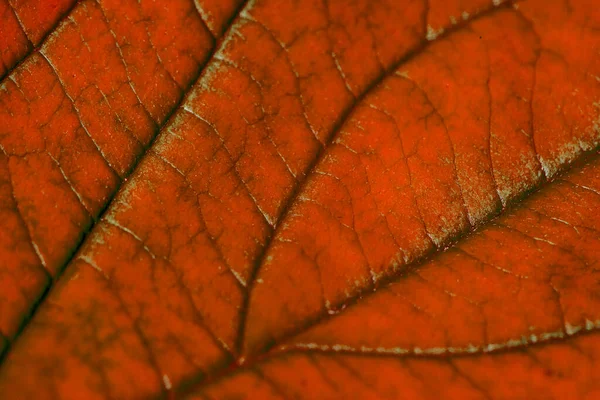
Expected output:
(77, 112)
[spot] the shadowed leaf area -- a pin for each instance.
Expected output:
(310, 199)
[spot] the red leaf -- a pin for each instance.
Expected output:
(328, 150)
(74, 118)
(25, 23)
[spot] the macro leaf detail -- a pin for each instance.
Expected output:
(277, 199)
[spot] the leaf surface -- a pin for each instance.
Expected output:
(25, 23)
(326, 149)
(537, 372)
(516, 299)
(75, 116)
(426, 158)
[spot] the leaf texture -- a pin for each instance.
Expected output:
(340, 192)
(74, 118)
(538, 372)
(526, 281)
(25, 23)
(386, 194)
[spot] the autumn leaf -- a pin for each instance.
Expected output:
(75, 117)
(368, 199)
(24, 26)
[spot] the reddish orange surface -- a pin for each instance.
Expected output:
(39, 17)
(13, 40)
(341, 206)
(565, 370)
(25, 23)
(74, 119)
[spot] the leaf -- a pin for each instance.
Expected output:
(514, 289)
(112, 136)
(385, 194)
(539, 372)
(24, 26)
(295, 179)
(75, 117)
